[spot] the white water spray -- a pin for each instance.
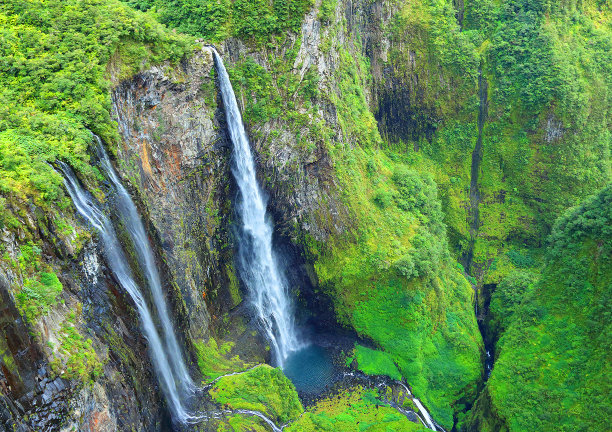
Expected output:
(118, 264)
(258, 265)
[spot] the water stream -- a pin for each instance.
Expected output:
(172, 387)
(144, 252)
(258, 265)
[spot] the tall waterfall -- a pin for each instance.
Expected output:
(259, 269)
(146, 260)
(172, 386)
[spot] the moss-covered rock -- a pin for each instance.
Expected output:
(263, 388)
(241, 423)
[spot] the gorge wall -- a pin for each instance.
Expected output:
(363, 117)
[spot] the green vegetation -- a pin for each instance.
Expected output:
(262, 388)
(373, 362)
(399, 181)
(216, 20)
(54, 89)
(390, 273)
(41, 287)
(545, 139)
(553, 364)
(38, 295)
(327, 11)
(355, 410)
(213, 361)
(76, 358)
(391, 277)
(506, 300)
(242, 423)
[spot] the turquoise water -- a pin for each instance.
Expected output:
(310, 369)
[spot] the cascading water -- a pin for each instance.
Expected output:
(258, 266)
(146, 260)
(117, 261)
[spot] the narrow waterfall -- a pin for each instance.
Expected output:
(118, 264)
(259, 269)
(426, 418)
(129, 215)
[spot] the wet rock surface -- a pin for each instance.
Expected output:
(176, 153)
(37, 393)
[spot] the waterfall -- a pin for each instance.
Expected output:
(423, 411)
(118, 264)
(131, 219)
(259, 269)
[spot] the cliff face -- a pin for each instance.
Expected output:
(78, 365)
(177, 158)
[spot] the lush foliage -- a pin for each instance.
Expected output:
(553, 366)
(37, 295)
(216, 20)
(546, 138)
(41, 288)
(505, 300)
(213, 361)
(391, 276)
(75, 356)
(373, 362)
(54, 64)
(354, 410)
(546, 70)
(262, 388)
(241, 423)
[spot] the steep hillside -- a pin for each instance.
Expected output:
(71, 345)
(553, 361)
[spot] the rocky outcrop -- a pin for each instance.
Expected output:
(176, 153)
(39, 386)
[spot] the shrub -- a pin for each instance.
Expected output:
(383, 198)
(38, 294)
(373, 362)
(506, 299)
